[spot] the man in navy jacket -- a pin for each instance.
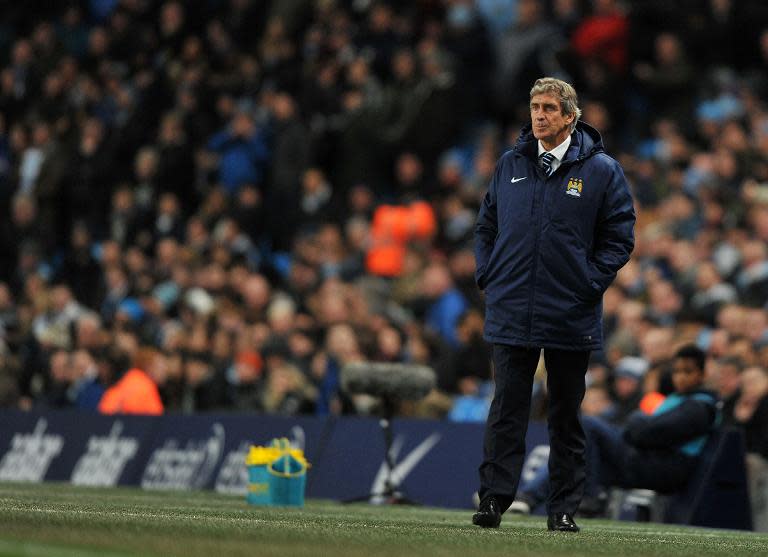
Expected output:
(554, 229)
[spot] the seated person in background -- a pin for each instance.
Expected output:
(85, 391)
(750, 411)
(473, 402)
(597, 402)
(627, 387)
(727, 383)
(656, 451)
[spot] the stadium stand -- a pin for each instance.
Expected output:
(213, 179)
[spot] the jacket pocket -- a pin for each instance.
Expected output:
(568, 264)
(596, 291)
(482, 274)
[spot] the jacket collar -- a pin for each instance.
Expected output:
(585, 142)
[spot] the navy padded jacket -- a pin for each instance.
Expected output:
(547, 248)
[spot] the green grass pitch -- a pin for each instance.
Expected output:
(62, 520)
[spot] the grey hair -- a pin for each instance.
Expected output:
(569, 100)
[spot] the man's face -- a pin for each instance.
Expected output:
(550, 126)
(686, 376)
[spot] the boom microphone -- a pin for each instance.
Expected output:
(387, 380)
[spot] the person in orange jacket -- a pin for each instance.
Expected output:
(136, 392)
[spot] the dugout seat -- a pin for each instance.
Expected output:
(717, 495)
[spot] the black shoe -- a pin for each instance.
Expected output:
(561, 522)
(488, 514)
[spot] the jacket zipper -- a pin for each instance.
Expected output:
(532, 289)
(544, 180)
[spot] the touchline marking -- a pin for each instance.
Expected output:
(518, 179)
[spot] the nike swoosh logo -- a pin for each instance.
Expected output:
(404, 467)
(518, 179)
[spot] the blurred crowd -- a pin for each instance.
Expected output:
(246, 195)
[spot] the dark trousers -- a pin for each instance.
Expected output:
(611, 461)
(504, 443)
(616, 462)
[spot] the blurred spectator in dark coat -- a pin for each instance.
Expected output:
(90, 334)
(716, 34)
(668, 80)
(318, 203)
(145, 165)
(23, 228)
(404, 93)
(361, 144)
(7, 188)
(342, 347)
(473, 356)
(752, 281)
(85, 390)
(72, 31)
(441, 111)
(173, 27)
(126, 222)
(169, 220)
(523, 54)
(249, 212)
(466, 39)
(58, 380)
(321, 102)
(462, 265)
(409, 177)
(727, 383)
(89, 180)
(751, 409)
(244, 381)
(49, 182)
(627, 387)
(204, 389)
(176, 168)
(379, 38)
(287, 392)
(711, 293)
(278, 52)
(80, 270)
(116, 288)
(290, 157)
(26, 77)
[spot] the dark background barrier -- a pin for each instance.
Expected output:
(436, 462)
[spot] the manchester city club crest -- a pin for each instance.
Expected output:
(574, 187)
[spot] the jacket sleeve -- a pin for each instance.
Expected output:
(486, 230)
(692, 419)
(614, 233)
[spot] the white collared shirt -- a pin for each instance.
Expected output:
(558, 152)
